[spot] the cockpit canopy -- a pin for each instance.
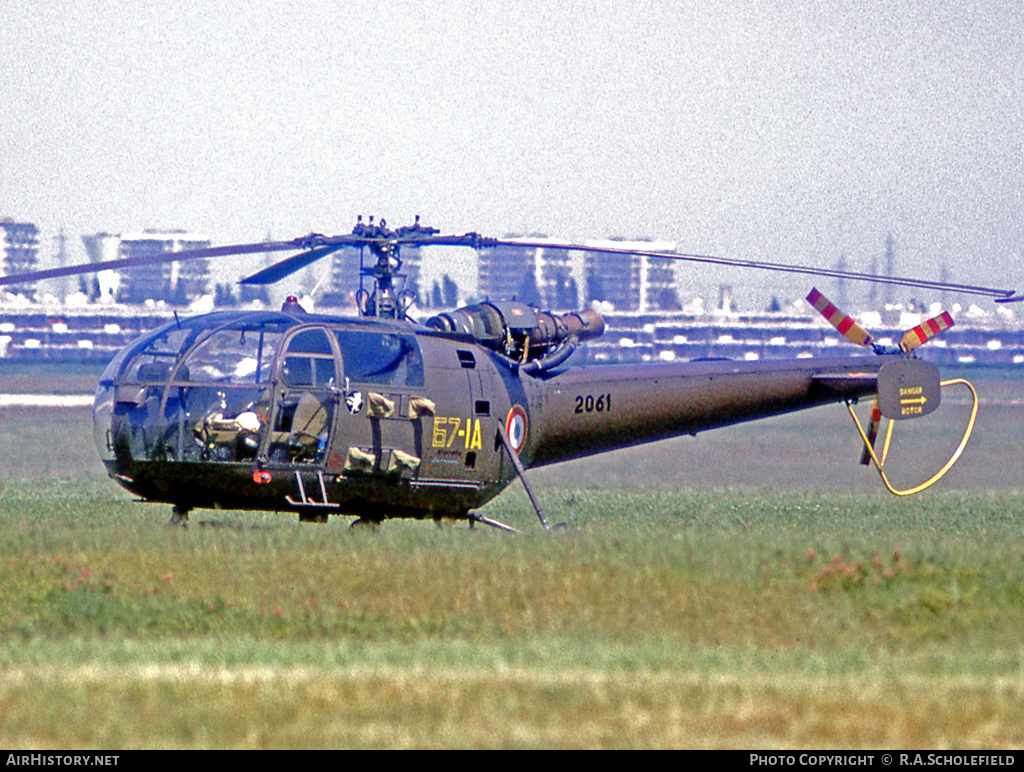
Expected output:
(179, 392)
(229, 348)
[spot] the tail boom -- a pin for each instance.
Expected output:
(590, 410)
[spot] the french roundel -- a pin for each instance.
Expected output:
(515, 427)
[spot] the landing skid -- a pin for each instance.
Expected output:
(475, 518)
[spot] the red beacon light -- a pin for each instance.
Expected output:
(291, 305)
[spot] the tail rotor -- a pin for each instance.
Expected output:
(853, 332)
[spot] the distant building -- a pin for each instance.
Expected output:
(174, 283)
(508, 273)
(547, 277)
(631, 282)
(344, 279)
(101, 247)
(19, 253)
(555, 282)
(540, 276)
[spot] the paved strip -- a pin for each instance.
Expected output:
(46, 400)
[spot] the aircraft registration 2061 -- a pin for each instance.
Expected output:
(384, 416)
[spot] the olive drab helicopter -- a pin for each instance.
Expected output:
(381, 416)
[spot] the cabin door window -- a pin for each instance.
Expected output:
(307, 395)
(385, 407)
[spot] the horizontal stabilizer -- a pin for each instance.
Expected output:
(847, 385)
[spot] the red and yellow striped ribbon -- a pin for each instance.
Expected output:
(915, 337)
(844, 323)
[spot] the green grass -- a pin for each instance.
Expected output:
(676, 618)
(751, 587)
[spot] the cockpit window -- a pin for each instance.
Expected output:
(154, 362)
(310, 342)
(171, 342)
(231, 356)
(381, 357)
(309, 360)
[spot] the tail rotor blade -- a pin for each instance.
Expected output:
(925, 331)
(844, 323)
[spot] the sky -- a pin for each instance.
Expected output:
(796, 131)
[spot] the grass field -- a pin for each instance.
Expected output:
(748, 588)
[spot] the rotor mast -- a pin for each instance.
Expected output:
(385, 246)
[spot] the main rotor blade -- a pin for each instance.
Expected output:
(154, 259)
(289, 265)
(1001, 295)
(317, 246)
(325, 245)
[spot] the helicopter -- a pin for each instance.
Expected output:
(382, 416)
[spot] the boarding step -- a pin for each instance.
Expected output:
(305, 502)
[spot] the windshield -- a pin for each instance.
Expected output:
(231, 356)
(198, 390)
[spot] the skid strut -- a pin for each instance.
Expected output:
(521, 471)
(475, 518)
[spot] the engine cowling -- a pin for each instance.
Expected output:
(536, 339)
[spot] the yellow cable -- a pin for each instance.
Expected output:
(880, 463)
